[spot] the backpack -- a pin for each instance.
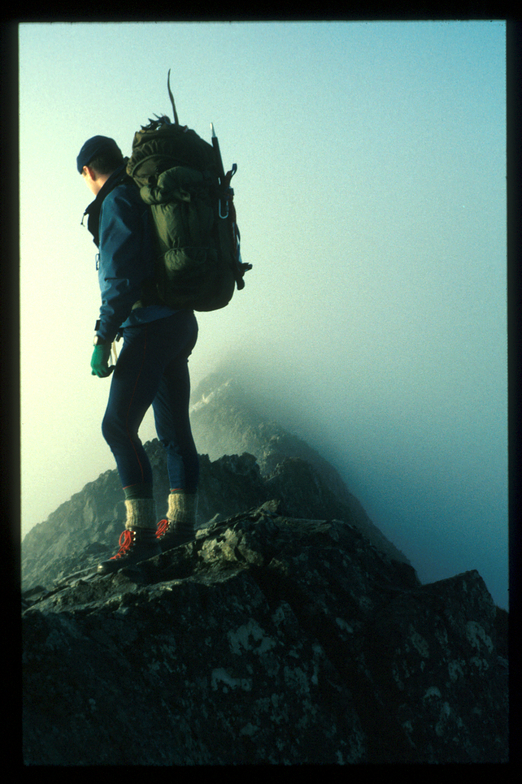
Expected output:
(181, 176)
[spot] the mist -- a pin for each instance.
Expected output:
(370, 195)
(435, 488)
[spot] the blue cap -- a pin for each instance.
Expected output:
(94, 147)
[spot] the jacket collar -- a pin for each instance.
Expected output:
(93, 210)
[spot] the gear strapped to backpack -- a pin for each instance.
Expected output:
(182, 178)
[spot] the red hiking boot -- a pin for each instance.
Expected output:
(136, 545)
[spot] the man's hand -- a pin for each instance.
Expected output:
(100, 361)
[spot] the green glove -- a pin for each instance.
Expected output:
(100, 361)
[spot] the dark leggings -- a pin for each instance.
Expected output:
(152, 369)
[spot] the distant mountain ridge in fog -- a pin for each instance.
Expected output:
(225, 420)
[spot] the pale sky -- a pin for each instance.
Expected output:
(371, 198)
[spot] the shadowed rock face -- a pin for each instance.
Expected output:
(289, 632)
(267, 640)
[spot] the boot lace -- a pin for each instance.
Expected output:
(126, 542)
(163, 527)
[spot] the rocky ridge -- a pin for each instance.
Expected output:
(288, 632)
(246, 460)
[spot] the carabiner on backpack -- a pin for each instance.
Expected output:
(223, 217)
(229, 191)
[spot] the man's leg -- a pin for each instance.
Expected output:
(146, 351)
(171, 413)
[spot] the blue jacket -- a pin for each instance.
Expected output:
(125, 237)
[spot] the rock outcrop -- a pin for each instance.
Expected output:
(268, 639)
(290, 631)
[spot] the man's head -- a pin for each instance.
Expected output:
(97, 159)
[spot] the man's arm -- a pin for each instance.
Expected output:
(126, 258)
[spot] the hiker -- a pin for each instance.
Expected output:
(152, 368)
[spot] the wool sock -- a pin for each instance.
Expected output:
(182, 508)
(141, 513)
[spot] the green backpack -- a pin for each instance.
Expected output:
(181, 177)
